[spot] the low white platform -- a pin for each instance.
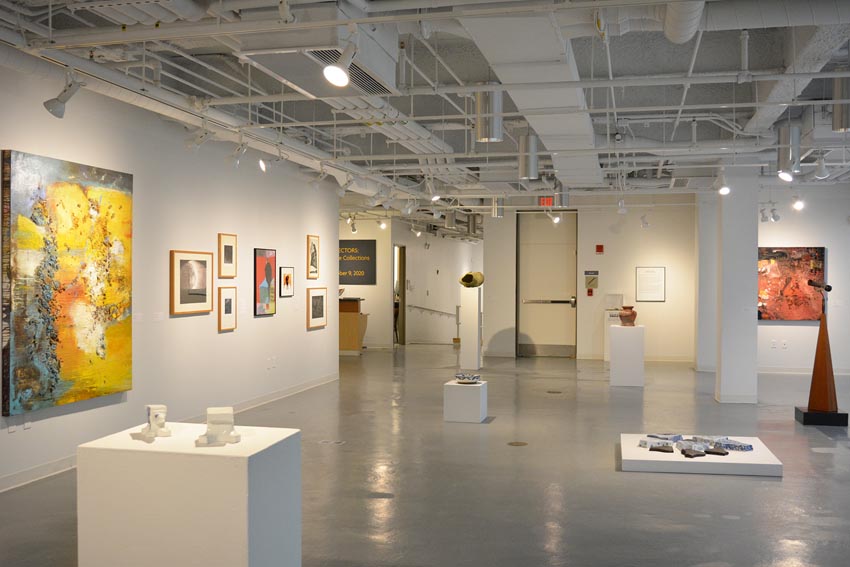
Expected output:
(626, 346)
(465, 402)
(170, 503)
(758, 462)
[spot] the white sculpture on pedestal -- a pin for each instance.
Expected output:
(219, 429)
(155, 426)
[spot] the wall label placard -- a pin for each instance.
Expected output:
(357, 265)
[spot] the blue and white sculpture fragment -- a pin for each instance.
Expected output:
(696, 446)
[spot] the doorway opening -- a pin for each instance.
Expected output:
(399, 296)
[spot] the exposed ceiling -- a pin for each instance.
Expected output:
(625, 96)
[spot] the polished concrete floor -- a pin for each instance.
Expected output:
(388, 483)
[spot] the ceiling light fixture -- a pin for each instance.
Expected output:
(432, 191)
(56, 106)
(353, 228)
(528, 163)
(488, 119)
(722, 186)
(382, 224)
(788, 152)
(239, 153)
(337, 73)
(197, 139)
(349, 220)
(416, 231)
(621, 207)
(798, 204)
(821, 171)
(555, 218)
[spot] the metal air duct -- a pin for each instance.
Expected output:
(488, 128)
(788, 152)
(840, 112)
(528, 167)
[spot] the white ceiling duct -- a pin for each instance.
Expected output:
(146, 12)
(682, 20)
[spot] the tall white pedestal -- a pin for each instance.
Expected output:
(470, 328)
(465, 402)
(171, 503)
(610, 317)
(627, 348)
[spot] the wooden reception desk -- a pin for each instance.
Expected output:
(352, 326)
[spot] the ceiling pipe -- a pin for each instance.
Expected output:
(840, 112)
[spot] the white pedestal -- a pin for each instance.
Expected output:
(464, 402)
(470, 328)
(758, 462)
(626, 345)
(171, 503)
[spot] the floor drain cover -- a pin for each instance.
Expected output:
(554, 392)
(329, 442)
(517, 443)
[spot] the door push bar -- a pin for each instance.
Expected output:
(571, 301)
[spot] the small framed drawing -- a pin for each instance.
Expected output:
(312, 257)
(265, 297)
(651, 284)
(226, 255)
(226, 309)
(286, 281)
(317, 307)
(191, 282)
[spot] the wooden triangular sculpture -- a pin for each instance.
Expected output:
(822, 392)
(823, 404)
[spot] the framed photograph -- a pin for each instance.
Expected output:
(226, 255)
(312, 257)
(286, 281)
(191, 282)
(265, 295)
(651, 284)
(317, 307)
(226, 309)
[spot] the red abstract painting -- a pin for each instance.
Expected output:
(784, 292)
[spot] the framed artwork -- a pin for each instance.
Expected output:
(226, 255)
(67, 243)
(317, 307)
(651, 284)
(312, 257)
(191, 282)
(265, 297)
(784, 291)
(286, 281)
(226, 309)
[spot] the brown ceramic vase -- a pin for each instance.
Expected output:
(628, 316)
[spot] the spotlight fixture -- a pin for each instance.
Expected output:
(56, 106)
(349, 220)
(197, 139)
(264, 164)
(764, 216)
(239, 153)
(644, 222)
(432, 191)
(621, 207)
(821, 171)
(337, 73)
(416, 231)
(788, 152)
(798, 204)
(722, 186)
(554, 218)
(382, 225)
(353, 228)
(774, 215)
(315, 183)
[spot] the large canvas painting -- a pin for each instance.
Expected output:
(265, 294)
(67, 282)
(784, 292)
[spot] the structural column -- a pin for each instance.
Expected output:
(737, 292)
(706, 316)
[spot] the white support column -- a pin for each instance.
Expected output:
(706, 315)
(737, 290)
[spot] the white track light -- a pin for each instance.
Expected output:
(353, 228)
(621, 207)
(382, 225)
(798, 204)
(56, 106)
(337, 73)
(722, 186)
(821, 171)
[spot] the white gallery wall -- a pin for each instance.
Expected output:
(379, 297)
(434, 266)
(669, 241)
(181, 200)
(785, 346)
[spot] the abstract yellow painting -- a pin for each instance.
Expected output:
(67, 282)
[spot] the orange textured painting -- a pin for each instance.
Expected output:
(67, 285)
(784, 292)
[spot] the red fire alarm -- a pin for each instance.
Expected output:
(590, 292)
(600, 248)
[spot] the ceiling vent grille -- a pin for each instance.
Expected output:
(360, 78)
(680, 183)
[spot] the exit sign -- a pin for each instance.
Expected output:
(546, 201)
